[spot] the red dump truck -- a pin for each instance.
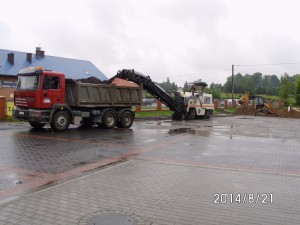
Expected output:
(47, 97)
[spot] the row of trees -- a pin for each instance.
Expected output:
(168, 86)
(290, 85)
(256, 83)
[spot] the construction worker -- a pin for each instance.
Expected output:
(192, 89)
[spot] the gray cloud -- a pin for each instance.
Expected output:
(5, 34)
(183, 40)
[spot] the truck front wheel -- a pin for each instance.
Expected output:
(60, 121)
(126, 120)
(109, 119)
(177, 116)
(207, 114)
(191, 114)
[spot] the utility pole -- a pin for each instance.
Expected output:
(232, 87)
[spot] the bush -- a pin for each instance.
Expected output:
(297, 91)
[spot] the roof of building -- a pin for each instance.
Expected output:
(72, 68)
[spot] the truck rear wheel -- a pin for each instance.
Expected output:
(37, 125)
(60, 121)
(109, 119)
(126, 120)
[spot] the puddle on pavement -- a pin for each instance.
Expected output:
(189, 130)
(80, 164)
(8, 182)
(160, 123)
(149, 123)
(149, 140)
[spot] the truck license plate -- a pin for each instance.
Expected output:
(21, 113)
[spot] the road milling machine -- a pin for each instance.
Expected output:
(185, 105)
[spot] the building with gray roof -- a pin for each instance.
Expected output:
(13, 61)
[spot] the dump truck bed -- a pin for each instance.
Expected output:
(101, 95)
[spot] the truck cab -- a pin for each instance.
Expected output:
(39, 89)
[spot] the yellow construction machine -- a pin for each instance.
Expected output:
(255, 102)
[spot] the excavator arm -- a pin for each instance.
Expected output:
(175, 103)
(244, 100)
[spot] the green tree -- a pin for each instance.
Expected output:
(297, 90)
(293, 83)
(215, 90)
(285, 86)
(216, 93)
(274, 85)
(238, 83)
(213, 85)
(228, 85)
(173, 87)
(168, 86)
(186, 87)
(258, 81)
(249, 84)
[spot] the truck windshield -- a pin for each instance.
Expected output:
(28, 82)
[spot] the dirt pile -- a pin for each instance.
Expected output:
(293, 113)
(246, 111)
(287, 114)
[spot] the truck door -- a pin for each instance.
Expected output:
(52, 91)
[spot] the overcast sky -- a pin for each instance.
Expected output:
(184, 40)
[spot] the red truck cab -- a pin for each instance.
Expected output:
(39, 89)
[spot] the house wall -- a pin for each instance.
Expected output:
(7, 86)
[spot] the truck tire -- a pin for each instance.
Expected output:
(60, 121)
(109, 119)
(207, 114)
(193, 114)
(37, 125)
(126, 120)
(190, 115)
(177, 116)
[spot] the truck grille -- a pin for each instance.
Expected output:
(21, 102)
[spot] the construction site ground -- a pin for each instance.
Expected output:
(226, 170)
(274, 112)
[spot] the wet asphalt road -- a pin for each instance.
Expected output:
(33, 158)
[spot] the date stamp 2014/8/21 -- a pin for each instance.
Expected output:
(262, 198)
